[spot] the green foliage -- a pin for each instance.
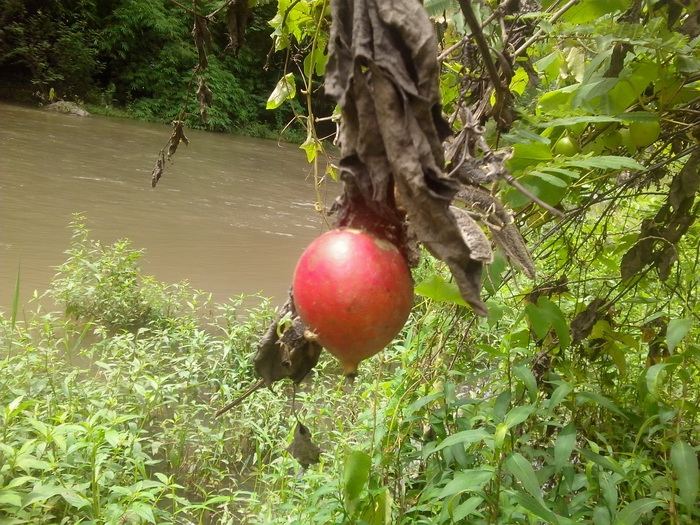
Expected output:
(139, 55)
(107, 417)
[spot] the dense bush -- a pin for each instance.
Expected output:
(107, 416)
(138, 55)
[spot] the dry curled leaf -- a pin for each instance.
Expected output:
(236, 22)
(202, 40)
(177, 136)
(204, 96)
(383, 73)
(582, 324)
(473, 236)
(305, 451)
(284, 351)
(500, 222)
(158, 169)
(659, 235)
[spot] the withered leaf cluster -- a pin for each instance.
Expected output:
(176, 137)
(660, 234)
(237, 17)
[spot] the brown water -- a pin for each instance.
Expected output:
(231, 214)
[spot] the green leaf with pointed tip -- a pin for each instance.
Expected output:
(355, 476)
(685, 467)
(564, 446)
(285, 89)
(676, 331)
(465, 437)
(439, 290)
(632, 512)
(522, 470)
(466, 480)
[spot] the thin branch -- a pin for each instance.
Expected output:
(483, 46)
(534, 198)
(538, 34)
(240, 399)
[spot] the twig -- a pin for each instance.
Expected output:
(240, 399)
(556, 16)
(478, 35)
(184, 7)
(534, 198)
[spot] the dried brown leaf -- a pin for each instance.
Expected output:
(202, 40)
(305, 451)
(158, 169)
(582, 324)
(289, 355)
(503, 229)
(177, 136)
(236, 22)
(659, 235)
(204, 96)
(383, 73)
(473, 236)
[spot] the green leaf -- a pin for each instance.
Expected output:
(594, 397)
(606, 162)
(285, 89)
(466, 437)
(10, 498)
(379, 511)
(676, 331)
(143, 511)
(42, 493)
(609, 490)
(631, 513)
(564, 446)
(548, 178)
(355, 476)
(685, 467)
(527, 154)
(466, 480)
(466, 508)
(537, 507)
(519, 82)
(518, 414)
(524, 373)
(655, 376)
(601, 516)
(439, 290)
(74, 499)
(570, 121)
(588, 10)
(558, 396)
(522, 470)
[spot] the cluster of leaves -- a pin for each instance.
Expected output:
(109, 419)
(139, 55)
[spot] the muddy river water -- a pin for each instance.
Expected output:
(231, 214)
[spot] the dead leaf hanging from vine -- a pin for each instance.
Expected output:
(305, 451)
(383, 73)
(202, 40)
(204, 96)
(284, 351)
(236, 22)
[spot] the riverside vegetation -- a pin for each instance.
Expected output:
(107, 413)
(575, 401)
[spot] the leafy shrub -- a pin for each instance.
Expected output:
(103, 284)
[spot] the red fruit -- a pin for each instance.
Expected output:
(354, 291)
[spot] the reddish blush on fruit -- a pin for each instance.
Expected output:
(354, 291)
